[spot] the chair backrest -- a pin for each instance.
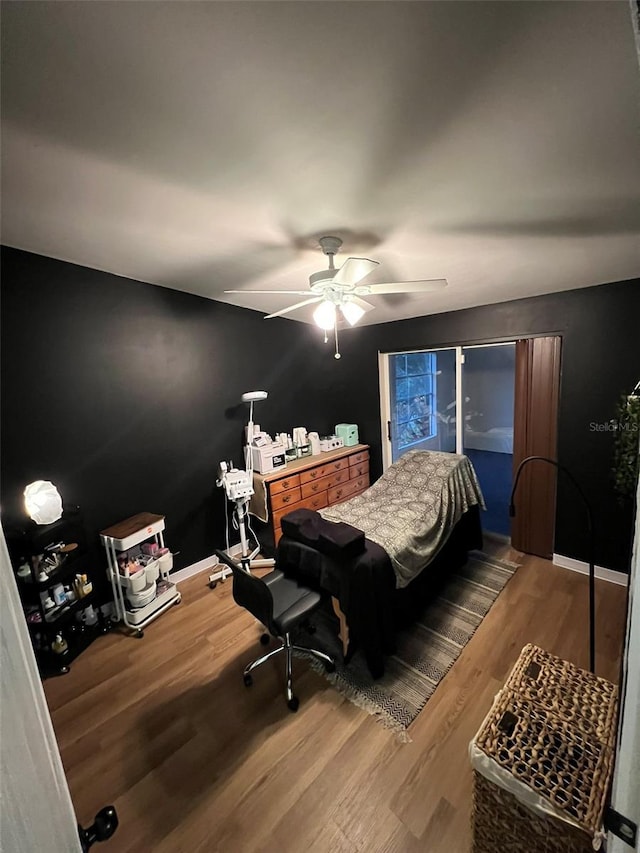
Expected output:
(252, 593)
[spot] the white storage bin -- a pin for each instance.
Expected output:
(152, 571)
(144, 597)
(135, 582)
(166, 563)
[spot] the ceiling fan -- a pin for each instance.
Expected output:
(338, 291)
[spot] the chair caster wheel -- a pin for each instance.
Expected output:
(330, 667)
(213, 584)
(265, 639)
(293, 703)
(139, 635)
(248, 680)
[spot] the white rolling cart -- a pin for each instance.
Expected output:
(123, 536)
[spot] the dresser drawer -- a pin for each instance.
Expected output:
(316, 502)
(285, 499)
(359, 469)
(318, 486)
(315, 487)
(324, 470)
(346, 490)
(363, 456)
(284, 484)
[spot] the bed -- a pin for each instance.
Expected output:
(420, 520)
(495, 440)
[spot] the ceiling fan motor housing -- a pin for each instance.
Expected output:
(330, 245)
(321, 281)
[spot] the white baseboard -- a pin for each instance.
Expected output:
(234, 550)
(583, 568)
(206, 565)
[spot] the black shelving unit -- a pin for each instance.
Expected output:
(27, 546)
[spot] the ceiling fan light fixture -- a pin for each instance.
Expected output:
(325, 315)
(351, 312)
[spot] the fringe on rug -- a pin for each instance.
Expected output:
(356, 698)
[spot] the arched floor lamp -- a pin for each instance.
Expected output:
(587, 505)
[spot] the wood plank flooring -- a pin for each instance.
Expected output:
(164, 728)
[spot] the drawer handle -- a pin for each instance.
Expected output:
(337, 466)
(313, 474)
(285, 484)
(339, 493)
(315, 487)
(286, 499)
(316, 503)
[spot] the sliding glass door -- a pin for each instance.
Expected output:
(455, 400)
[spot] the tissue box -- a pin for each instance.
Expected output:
(348, 433)
(267, 458)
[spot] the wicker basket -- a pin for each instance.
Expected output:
(543, 759)
(574, 695)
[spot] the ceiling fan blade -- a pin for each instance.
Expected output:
(354, 270)
(366, 306)
(293, 307)
(403, 287)
(291, 292)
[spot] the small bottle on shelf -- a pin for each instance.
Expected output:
(59, 646)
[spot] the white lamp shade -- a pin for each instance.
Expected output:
(351, 312)
(43, 502)
(325, 315)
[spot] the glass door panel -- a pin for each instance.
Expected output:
(488, 390)
(422, 393)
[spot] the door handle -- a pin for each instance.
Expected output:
(103, 827)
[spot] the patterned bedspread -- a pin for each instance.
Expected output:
(412, 509)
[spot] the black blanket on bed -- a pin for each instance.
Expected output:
(361, 577)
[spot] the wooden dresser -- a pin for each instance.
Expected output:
(313, 482)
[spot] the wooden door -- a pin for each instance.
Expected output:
(535, 434)
(37, 813)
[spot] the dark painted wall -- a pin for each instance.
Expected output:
(600, 362)
(127, 395)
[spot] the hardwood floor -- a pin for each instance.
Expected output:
(164, 728)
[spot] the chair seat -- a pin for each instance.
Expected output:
(291, 603)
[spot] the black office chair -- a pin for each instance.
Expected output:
(281, 605)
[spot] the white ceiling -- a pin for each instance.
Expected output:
(202, 145)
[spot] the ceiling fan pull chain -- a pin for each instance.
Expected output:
(335, 330)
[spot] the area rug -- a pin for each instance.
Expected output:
(426, 650)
